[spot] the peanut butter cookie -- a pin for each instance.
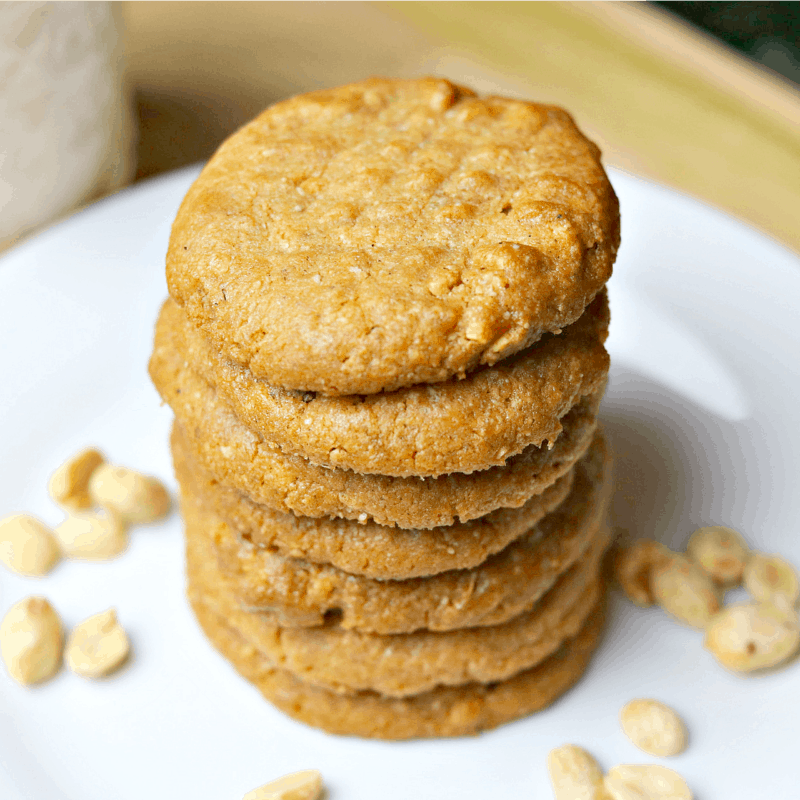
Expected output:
(369, 549)
(426, 430)
(445, 711)
(406, 664)
(390, 233)
(237, 457)
(297, 593)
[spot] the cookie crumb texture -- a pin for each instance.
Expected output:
(424, 430)
(389, 233)
(444, 711)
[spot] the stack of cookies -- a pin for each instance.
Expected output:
(384, 348)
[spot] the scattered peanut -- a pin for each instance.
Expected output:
(31, 640)
(575, 774)
(27, 545)
(69, 484)
(135, 497)
(653, 727)
(97, 646)
(304, 785)
(682, 589)
(634, 565)
(646, 782)
(721, 552)
(766, 576)
(751, 636)
(92, 535)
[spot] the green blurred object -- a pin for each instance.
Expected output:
(768, 32)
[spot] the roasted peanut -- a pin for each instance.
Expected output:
(133, 496)
(31, 641)
(633, 567)
(682, 589)
(653, 727)
(92, 535)
(97, 646)
(69, 484)
(646, 782)
(575, 774)
(304, 785)
(752, 636)
(27, 545)
(766, 576)
(721, 552)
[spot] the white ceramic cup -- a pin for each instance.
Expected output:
(66, 118)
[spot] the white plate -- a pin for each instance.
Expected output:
(703, 411)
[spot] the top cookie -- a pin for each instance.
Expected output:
(392, 232)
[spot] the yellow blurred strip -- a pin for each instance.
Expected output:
(668, 118)
(688, 47)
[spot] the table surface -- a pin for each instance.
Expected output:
(661, 98)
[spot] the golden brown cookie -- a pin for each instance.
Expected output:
(392, 232)
(446, 711)
(369, 549)
(239, 458)
(406, 664)
(426, 430)
(298, 593)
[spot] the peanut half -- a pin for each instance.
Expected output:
(682, 589)
(92, 535)
(133, 496)
(634, 565)
(653, 727)
(31, 641)
(69, 484)
(97, 646)
(646, 782)
(304, 785)
(766, 576)
(721, 552)
(575, 774)
(752, 636)
(27, 545)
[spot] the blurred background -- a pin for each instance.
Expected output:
(700, 96)
(766, 32)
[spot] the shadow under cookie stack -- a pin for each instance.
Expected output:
(384, 349)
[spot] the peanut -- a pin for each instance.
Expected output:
(721, 552)
(653, 727)
(304, 785)
(682, 589)
(646, 782)
(133, 496)
(752, 636)
(97, 646)
(766, 576)
(27, 545)
(69, 484)
(633, 567)
(31, 640)
(92, 535)
(575, 774)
